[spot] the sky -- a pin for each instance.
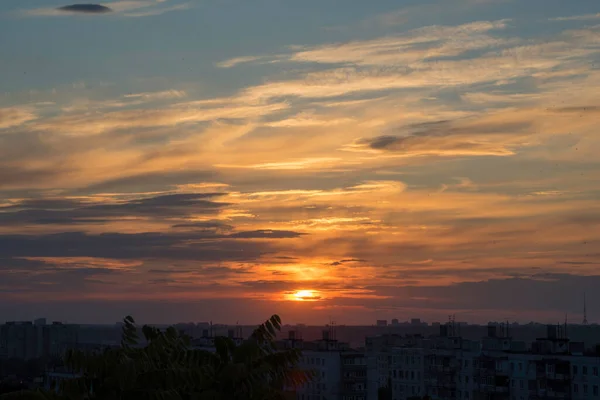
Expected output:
(324, 160)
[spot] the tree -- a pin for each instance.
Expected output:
(168, 368)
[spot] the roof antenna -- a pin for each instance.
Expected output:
(585, 321)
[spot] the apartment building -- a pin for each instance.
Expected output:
(379, 359)
(27, 340)
(354, 375)
(494, 368)
(340, 373)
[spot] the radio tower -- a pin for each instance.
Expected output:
(585, 321)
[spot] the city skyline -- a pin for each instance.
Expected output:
(177, 160)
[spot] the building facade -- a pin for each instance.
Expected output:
(494, 368)
(26, 340)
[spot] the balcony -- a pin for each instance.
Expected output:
(558, 377)
(557, 395)
(354, 378)
(441, 368)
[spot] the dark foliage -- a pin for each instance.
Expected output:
(168, 368)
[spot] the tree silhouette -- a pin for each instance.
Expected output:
(167, 367)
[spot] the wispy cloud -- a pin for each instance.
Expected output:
(15, 116)
(248, 60)
(159, 11)
(140, 118)
(127, 8)
(416, 45)
(427, 58)
(167, 94)
(585, 17)
(413, 168)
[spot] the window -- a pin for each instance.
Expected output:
(585, 388)
(522, 384)
(512, 383)
(574, 369)
(595, 371)
(466, 395)
(575, 388)
(584, 370)
(520, 366)
(467, 379)
(512, 366)
(595, 390)
(466, 363)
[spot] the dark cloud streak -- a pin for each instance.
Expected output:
(69, 212)
(85, 9)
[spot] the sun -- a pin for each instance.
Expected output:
(306, 295)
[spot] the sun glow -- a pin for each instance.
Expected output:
(306, 295)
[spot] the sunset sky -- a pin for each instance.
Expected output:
(354, 160)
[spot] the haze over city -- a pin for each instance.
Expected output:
(356, 160)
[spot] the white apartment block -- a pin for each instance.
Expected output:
(449, 367)
(340, 373)
(327, 375)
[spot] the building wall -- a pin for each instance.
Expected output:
(408, 373)
(25, 340)
(585, 377)
(354, 376)
(327, 382)
(451, 368)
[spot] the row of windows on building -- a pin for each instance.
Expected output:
(412, 360)
(585, 388)
(355, 374)
(311, 397)
(323, 397)
(354, 361)
(409, 390)
(550, 368)
(408, 375)
(314, 386)
(584, 370)
(576, 388)
(313, 360)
